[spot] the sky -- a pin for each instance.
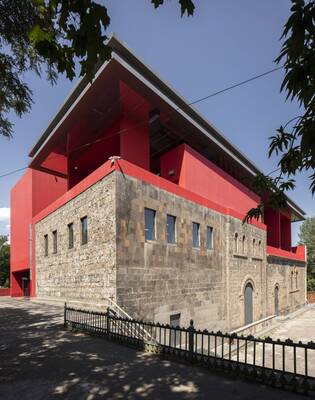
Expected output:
(225, 42)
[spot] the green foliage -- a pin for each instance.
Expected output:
(307, 237)
(186, 6)
(310, 284)
(294, 142)
(4, 262)
(54, 35)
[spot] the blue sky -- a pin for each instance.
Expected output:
(225, 42)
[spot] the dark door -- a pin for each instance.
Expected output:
(248, 302)
(25, 286)
(174, 334)
(276, 300)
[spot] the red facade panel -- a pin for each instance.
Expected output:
(32, 193)
(192, 171)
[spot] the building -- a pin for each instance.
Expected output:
(132, 195)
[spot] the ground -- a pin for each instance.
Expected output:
(40, 360)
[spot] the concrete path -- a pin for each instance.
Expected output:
(39, 360)
(301, 327)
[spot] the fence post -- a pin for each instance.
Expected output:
(65, 316)
(108, 321)
(191, 332)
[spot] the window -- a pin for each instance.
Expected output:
(254, 246)
(170, 229)
(236, 242)
(46, 245)
(54, 242)
(70, 236)
(243, 244)
(259, 247)
(296, 280)
(291, 280)
(84, 230)
(149, 224)
(196, 234)
(209, 237)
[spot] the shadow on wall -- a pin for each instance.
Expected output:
(39, 360)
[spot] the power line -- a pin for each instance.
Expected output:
(234, 86)
(191, 103)
(12, 172)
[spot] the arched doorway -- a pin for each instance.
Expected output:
(276, 300)
(248, 303)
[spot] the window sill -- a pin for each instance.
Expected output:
(257, 258)
(294, 291)
(152, 241)
(240, 256)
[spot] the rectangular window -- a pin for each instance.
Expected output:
(174, 334)
(70, 236)
(196, 234)
(54, 242)
(46, 245)
(149, 224)
(84, 230)
(209, 237)
(170, 228)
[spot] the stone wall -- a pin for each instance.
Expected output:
(85, 272)
(153, 279)
(247, 263)
(156, 279)
(290, 278)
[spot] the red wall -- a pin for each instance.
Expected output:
(278, 229)
(199, 175)
(134, 128)
(21, 217)
(32, 193)
(4, 292)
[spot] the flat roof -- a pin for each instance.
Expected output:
(124, 56)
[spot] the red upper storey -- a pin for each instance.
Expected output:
(129, 112)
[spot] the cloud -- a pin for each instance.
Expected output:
(4, 214)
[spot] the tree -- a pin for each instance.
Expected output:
(50, 34)
(307, 238)
(294, 142)
(4, 262)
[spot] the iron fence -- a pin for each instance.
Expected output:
(281, 363)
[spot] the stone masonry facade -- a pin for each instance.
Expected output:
(154, 279)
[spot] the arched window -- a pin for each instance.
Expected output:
(296, 280)
(243, 244)
(259, 247)
(248, 303)
(254, 246)
(236, 242)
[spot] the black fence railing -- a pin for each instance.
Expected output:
(286, 364)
